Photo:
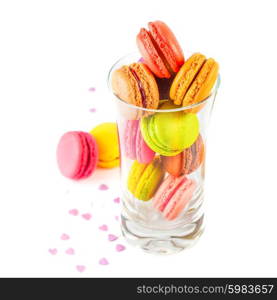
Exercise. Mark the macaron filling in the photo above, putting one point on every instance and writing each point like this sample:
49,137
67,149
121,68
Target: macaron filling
140,86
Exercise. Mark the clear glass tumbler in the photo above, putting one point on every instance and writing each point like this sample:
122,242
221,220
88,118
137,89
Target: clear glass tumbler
162,211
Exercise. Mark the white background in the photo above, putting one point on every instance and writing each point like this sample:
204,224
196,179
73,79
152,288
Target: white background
52,52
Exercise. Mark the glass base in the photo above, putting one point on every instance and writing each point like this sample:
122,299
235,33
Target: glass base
163,241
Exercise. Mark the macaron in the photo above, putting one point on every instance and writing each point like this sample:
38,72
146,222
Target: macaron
77,155
106,137
187,161
194,81
144,179
160,49
134,145
173,196
135,84
169,133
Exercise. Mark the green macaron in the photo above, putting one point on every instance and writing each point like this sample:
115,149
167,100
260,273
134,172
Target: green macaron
169,133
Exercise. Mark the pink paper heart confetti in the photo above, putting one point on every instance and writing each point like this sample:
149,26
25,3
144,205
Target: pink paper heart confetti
103,227
81,268
103,187
117,218
53,251
70,251
92,110
103,261
65,237
92,89
112,237
120,247
116,200
73,212
86,216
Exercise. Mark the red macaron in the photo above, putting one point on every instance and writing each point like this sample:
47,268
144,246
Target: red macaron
77,155
160,49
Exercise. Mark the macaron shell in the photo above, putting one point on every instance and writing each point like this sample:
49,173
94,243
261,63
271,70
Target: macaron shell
185,76
150,55
125,86
143,153
151,139
106,137
202,85
149,85
179,200
135,174
149,181
167,43
193,156
69,152
173,164
166,191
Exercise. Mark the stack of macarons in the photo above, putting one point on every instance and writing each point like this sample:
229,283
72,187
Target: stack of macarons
165,145
79,153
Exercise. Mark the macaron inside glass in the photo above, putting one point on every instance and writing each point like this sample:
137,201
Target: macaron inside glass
106,137
169,133
144,179
160,49
134,145
77,155
194,81
173,196
187,161
136,85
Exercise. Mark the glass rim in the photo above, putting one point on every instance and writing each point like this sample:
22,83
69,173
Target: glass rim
213,92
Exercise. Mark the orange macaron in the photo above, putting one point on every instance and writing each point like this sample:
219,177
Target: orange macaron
194,81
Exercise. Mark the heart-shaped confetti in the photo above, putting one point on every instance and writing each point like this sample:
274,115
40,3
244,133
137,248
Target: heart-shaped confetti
103,261
117,218
92,89
92,110
120,247
65,237
103,187
53,251
116,200
112,237
103,227
81,268
73,212
70,251
86,216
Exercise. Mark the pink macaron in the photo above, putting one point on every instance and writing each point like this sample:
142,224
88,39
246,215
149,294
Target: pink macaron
77,155
134,144
173,196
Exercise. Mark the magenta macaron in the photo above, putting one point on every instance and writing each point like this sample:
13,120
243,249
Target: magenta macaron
173,196
77,154
134,144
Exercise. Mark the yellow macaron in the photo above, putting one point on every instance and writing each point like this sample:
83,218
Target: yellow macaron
106,138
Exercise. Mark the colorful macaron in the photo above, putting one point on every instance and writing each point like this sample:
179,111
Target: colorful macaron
136,85
187,161
144,179
160,49
173,196
134,145
194,81
169,133
77,155
106,137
